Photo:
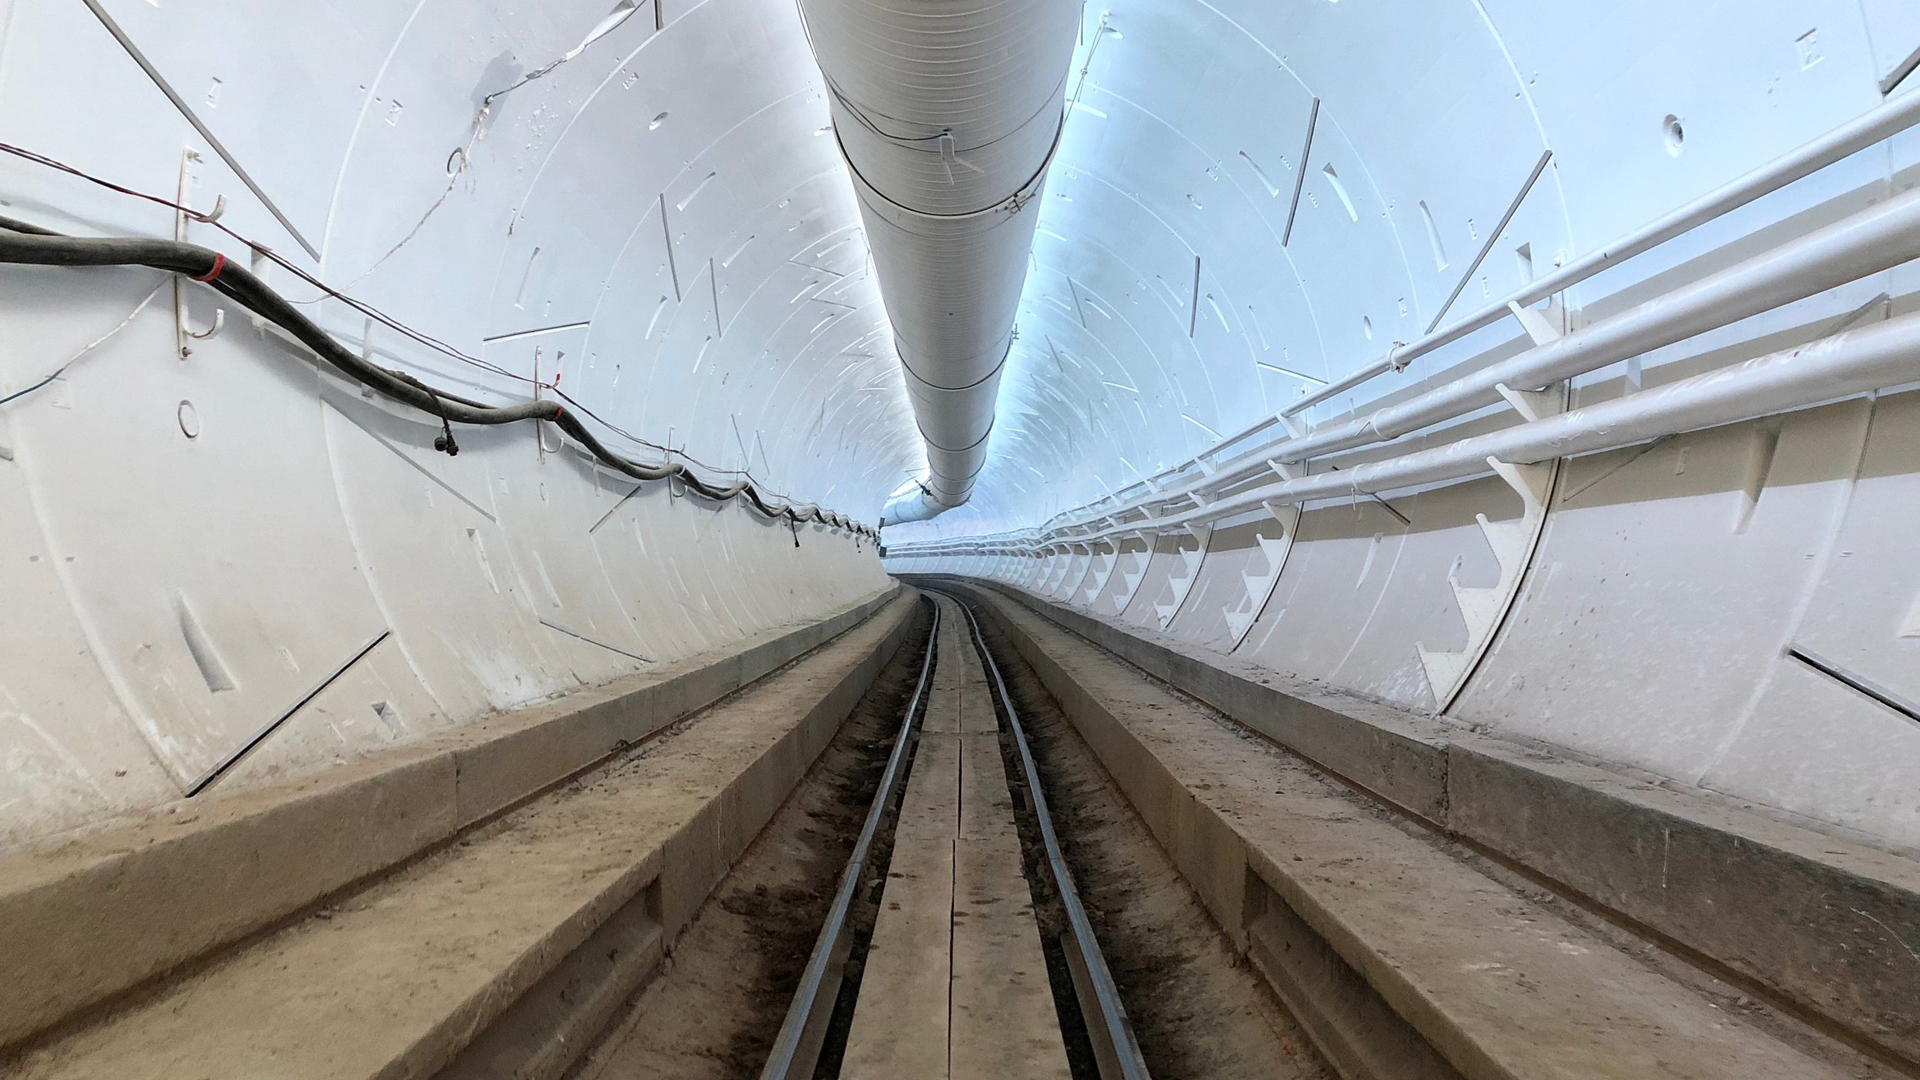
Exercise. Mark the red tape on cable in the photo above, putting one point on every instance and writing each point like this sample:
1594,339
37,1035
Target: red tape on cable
219,264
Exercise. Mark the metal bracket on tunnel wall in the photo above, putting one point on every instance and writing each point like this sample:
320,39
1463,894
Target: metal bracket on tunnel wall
1513,544
1042,568
1103,566
1130,579
1185,573
1240,617
1036,567
1058,559
184,334
1077,562
1030,564
1014,566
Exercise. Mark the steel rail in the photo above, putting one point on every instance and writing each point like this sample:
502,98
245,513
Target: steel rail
797,1048
1114,1045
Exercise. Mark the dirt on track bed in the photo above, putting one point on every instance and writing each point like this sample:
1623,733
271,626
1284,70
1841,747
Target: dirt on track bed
715,1008
1197,1009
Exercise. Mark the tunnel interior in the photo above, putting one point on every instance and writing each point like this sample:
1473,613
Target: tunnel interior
1440,390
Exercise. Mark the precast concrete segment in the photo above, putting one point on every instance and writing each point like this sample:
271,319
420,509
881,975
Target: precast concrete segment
955,982
1824,921
114,909
1492,982
416,966
948,114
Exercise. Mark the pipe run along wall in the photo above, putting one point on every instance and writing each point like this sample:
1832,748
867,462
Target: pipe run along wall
948,114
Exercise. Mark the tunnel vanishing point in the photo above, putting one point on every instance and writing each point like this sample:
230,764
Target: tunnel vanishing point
960,540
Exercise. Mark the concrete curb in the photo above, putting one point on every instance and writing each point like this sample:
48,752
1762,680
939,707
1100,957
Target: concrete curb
555,1010
111,910
1829,925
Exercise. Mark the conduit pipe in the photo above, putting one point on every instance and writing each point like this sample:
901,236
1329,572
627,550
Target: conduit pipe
1874,126
1844,141
1876,239
1871,358
948,113
1858,361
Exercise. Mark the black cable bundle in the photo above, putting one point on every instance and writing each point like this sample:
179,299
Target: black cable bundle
26,244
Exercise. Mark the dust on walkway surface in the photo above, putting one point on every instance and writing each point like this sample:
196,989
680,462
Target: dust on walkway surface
1197,1008
715,1008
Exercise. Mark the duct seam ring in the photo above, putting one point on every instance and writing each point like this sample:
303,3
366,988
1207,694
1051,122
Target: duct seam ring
931,385
1030,188
954,449
860,113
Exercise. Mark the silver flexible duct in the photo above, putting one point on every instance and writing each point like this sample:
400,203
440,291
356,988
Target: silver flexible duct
947,112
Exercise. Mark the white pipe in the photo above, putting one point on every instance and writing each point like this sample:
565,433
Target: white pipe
1874,126
948,113
1782,273
916,505
1844,141
1874,240
1870,358
1858,361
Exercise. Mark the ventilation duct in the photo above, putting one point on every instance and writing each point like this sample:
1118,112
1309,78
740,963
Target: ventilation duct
947,112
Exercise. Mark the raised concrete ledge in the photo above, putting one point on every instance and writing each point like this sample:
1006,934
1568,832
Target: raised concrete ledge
495,954
1402,957
1830,926
1834,927
107,911
1399,757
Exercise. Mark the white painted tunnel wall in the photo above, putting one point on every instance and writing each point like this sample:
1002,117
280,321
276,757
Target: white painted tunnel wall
302,519
1651,626
665,211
